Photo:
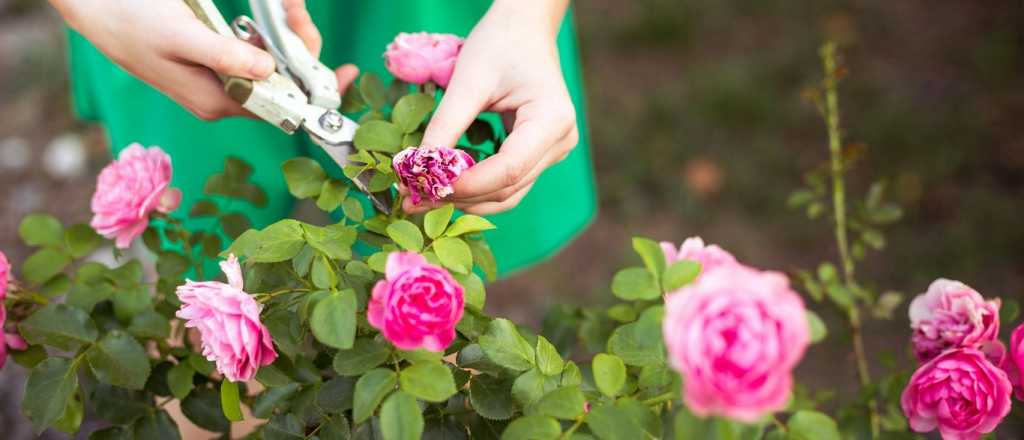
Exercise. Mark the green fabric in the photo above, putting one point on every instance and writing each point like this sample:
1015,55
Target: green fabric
561,204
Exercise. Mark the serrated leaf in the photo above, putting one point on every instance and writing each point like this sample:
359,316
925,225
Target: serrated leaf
371,389
41,230
50,385
430,381
44,264
548,360
410,110
491,397
817,326
334,320
179,380
365,354
372,90
812,425
468,224
118,359
454,254
650,252
406,235
635,284
506,347
60,326
82,240
304,176
609,374
532,428
563,403
679,274
380,136
401,418
436,220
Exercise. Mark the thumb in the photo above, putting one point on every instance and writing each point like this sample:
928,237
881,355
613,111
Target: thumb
459,106
224,55
302,24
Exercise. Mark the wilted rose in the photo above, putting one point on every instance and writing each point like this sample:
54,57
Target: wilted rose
129,189
228,320
735,336
951,315
959,392
420,57
430,172
417,305
693,248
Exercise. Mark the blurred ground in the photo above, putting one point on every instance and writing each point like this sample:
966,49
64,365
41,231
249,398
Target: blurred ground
698,128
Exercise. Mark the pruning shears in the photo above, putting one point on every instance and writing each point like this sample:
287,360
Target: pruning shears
302,93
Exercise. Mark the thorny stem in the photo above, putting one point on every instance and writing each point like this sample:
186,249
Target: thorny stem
831,110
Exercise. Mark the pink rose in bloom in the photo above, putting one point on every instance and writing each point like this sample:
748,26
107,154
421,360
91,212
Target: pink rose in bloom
959,392
129,189
228,320
1015,363
430,172
709,256
5,273
951,315
735,336
9,340
420,57
417,304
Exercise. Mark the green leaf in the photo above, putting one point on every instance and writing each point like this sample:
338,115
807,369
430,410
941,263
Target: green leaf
454,254
410,111
284,427
200,364
203,408
610,422
371,389
334,320
812,425
334,241
278,242
380,136
609,374
131,301
353,209
436,220
484,258
41,230
72,418
491,397
406,234
372,90
336,394
272,398
60,326
118,359
229,401
532,428
679,274
430,381
44,264
50,385
474,291
818,329
365,354
156,426
563,403
468,224
304,176
322,274
29,357
204,208
1009,310
548,360
179,380
650,251
504,346
635,284
638,343
530,386
82,240
332,194
401,418
352,102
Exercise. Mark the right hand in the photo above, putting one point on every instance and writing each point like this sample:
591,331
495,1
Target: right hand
163,43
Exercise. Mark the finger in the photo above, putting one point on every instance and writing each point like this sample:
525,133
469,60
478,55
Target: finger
198,90
346,74
225,55
302,24
525,147
459,106
488,208
423,206
549,159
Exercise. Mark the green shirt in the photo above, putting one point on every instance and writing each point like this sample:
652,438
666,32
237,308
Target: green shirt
560,205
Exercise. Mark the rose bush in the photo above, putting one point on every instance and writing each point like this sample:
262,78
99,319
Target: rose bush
323,338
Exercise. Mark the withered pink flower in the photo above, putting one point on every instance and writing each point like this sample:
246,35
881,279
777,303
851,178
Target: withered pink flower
129,189
951,315
430,172
228,321
959,392
417,305
420,57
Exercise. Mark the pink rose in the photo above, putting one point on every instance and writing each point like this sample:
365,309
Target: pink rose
709,256
5,273
129,189
735,336
228,320
1015,363
420,57
960,392
417,305
431,172
951,315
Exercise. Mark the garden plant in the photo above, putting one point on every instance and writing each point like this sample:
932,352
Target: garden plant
374,326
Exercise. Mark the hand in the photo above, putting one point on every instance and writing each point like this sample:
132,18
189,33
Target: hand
508,64
163,43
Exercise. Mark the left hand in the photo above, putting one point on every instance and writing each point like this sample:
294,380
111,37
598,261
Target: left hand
508,64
